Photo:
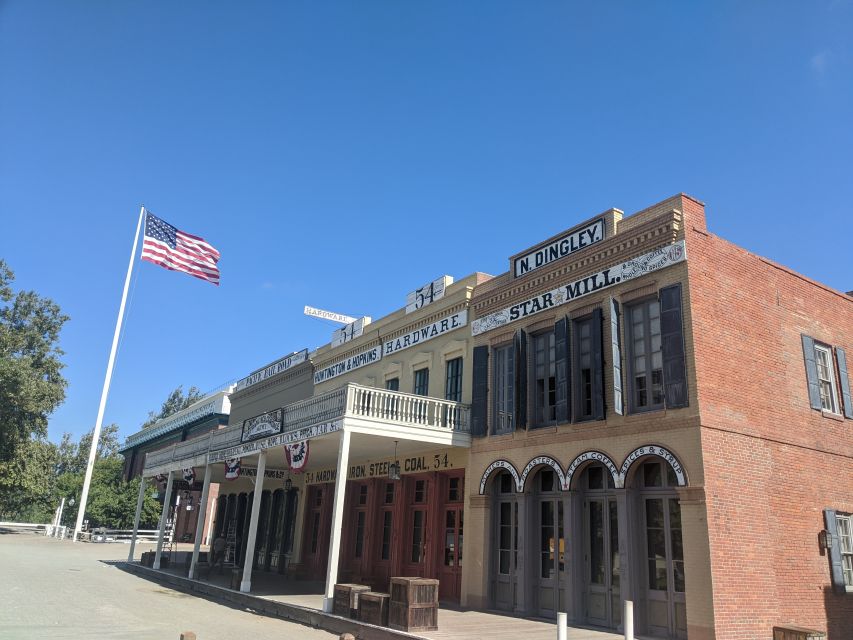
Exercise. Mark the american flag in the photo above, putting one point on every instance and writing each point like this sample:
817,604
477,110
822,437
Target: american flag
178,251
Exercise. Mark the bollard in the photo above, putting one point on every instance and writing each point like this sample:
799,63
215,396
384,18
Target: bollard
562,626
628,620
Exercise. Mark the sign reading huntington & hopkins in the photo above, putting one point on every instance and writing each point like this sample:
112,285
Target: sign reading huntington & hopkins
295,358
566,244
348,364
641,265
266,424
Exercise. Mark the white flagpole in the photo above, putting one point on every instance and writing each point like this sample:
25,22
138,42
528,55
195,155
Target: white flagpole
96,434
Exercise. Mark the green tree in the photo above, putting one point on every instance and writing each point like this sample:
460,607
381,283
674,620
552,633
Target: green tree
73,456
28,482
176,401
31,385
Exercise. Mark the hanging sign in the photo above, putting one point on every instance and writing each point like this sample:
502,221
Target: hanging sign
349,332
266,424
285,363
328,315
437,328
297,455
314,431
348,364
232,468
563,246
646,263
189,475
427,294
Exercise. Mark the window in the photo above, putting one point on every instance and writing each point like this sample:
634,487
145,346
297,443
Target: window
504,373
359,534
583,369
453,385
421,382
454,493
544,379
420,491
392,384
387,519
389,493
362,495
845,542
645,357
826,378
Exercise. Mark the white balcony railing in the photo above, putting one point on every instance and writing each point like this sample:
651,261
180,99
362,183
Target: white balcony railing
356,401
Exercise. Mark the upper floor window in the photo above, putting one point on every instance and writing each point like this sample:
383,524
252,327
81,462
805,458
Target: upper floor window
392,384
453,383
845,543
826,378
829,388
583,387
544,379
422,382
504,389
645,358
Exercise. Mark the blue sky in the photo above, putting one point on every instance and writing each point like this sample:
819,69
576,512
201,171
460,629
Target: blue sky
339,154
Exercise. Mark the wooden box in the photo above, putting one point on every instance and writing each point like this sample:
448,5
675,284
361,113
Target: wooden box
147,559
373,607
346,599
414,604
793,632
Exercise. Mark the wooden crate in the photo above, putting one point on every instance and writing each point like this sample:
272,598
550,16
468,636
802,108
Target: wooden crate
413,617
793,632
414,590
373,607
346,599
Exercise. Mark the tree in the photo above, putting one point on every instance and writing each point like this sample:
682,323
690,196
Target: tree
73,457
28,482
31,385
176,401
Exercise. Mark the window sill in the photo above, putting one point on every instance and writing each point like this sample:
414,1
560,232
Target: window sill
831,415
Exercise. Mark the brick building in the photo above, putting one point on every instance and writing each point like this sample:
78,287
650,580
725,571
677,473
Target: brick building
664,418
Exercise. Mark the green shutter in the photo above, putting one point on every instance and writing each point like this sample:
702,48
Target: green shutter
520,357
836,568
597,365
672,347
811,372
616,350
844,378
480,391
562,368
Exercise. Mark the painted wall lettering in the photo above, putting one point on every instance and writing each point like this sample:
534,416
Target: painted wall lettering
565,245
437,328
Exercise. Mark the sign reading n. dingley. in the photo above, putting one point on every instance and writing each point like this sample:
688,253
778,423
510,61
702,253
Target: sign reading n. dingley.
437,328
564,245
646,263
353,362
266,424
295,358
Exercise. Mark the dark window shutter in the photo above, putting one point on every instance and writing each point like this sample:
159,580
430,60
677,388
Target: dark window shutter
672,347
520,354
561,357
480,391
617,357
844,378
597,366
836,570
811,372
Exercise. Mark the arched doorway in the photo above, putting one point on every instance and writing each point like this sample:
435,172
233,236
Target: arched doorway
505,538
661,558
601,596
546,545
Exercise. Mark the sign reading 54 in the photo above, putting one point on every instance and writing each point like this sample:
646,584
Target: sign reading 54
427,294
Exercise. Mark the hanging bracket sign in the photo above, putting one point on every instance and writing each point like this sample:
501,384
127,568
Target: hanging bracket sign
266,424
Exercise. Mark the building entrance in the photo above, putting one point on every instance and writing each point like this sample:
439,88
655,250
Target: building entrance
549,546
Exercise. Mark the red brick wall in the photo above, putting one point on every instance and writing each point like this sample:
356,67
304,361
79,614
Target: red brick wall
771,463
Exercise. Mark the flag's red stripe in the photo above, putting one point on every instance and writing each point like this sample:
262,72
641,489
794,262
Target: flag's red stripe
196,274
159,250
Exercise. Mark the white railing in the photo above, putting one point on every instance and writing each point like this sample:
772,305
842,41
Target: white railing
352,400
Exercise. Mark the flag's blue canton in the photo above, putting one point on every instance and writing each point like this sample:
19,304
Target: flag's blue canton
159,230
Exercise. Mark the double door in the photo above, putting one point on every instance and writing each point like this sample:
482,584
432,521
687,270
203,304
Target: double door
601,561
667,611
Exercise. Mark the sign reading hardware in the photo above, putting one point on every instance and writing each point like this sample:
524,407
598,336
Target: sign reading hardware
353,362
328,315
295,358
646,263
353,330
427,294
565,245
437,328
262,426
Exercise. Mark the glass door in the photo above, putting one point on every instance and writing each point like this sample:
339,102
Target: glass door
667,611
601,541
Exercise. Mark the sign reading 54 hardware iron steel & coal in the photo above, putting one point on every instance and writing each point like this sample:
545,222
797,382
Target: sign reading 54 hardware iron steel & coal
266,424
641,265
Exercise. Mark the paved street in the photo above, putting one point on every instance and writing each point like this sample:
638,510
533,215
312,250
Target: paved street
56,589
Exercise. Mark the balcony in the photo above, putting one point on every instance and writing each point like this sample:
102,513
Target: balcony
365,410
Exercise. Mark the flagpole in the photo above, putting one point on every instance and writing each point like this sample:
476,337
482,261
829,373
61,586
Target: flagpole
96,434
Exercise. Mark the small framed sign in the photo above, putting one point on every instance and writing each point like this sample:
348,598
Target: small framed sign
266,424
